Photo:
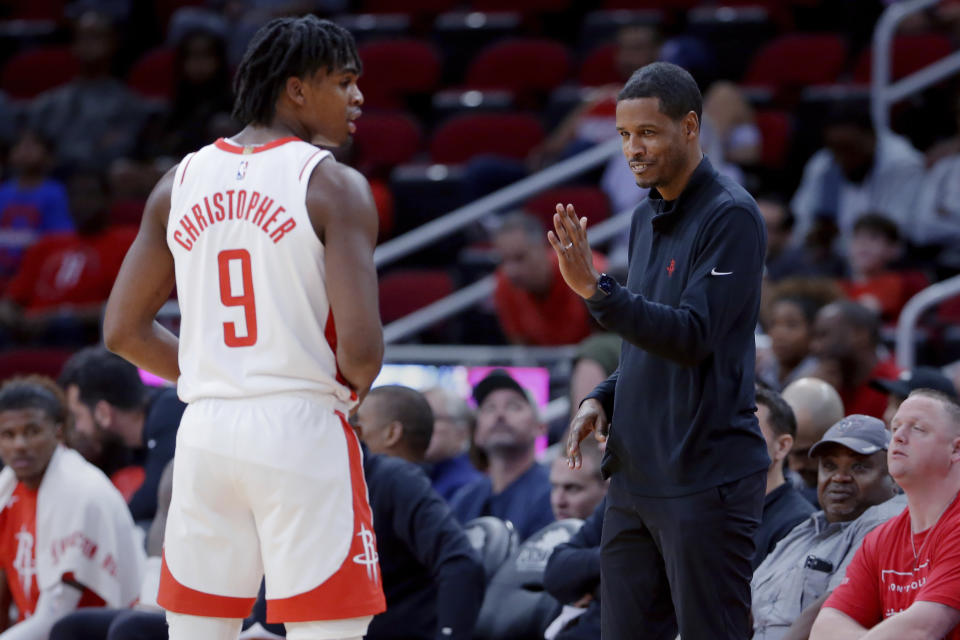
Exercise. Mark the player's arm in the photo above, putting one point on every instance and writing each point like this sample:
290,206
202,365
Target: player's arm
345,217
144,283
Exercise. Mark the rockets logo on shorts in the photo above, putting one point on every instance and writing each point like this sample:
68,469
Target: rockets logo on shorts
242,170
369,557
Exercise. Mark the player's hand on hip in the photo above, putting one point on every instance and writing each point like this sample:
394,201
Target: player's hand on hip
590,418
569,241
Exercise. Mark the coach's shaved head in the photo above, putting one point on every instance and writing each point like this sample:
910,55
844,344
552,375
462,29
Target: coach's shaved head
396,421
817,406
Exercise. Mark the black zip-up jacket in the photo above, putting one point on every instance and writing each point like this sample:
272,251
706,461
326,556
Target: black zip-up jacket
681,402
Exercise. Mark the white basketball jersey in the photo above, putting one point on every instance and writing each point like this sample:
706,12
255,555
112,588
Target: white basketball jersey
255,318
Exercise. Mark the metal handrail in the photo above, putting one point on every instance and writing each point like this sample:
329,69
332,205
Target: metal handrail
883,93
906,356
456,220
481,289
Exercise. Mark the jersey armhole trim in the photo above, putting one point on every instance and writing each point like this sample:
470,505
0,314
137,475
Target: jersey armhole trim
309,160
186,165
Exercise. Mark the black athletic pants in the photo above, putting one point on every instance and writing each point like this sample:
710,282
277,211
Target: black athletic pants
683,563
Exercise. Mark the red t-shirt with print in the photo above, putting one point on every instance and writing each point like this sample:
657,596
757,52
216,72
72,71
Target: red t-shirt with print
884,578
18,552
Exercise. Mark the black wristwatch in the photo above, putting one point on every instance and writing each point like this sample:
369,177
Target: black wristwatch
605,285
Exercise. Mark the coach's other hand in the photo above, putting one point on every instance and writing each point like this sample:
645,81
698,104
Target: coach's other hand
569,240
590,417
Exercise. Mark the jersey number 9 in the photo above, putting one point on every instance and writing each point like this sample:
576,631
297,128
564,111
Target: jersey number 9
245,299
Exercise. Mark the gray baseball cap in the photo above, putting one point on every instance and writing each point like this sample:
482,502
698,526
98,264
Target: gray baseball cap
859,433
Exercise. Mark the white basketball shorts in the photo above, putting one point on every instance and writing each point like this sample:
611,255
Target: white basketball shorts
272,486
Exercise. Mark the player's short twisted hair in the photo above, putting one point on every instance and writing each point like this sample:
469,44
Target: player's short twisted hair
285,48
673,85
34,392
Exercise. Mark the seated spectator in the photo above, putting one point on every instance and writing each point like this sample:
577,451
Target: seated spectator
597,357
846,340
855,491
110,404
531,295
32,204
66,537
516,487
575,493
787,258
57,294
902,583
817,407
874,247
572,577
432,578
857,171
448,456
201,92
791,307
784,507
909,381
94,118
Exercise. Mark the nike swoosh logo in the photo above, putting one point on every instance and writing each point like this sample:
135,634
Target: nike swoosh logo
714,272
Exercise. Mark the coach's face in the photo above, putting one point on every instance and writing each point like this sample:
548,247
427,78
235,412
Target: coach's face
849,482
654,144
506,421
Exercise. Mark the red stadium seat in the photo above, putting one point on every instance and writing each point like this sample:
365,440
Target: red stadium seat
600,67
520,65
393,69
798,60
588,201
910,53
152,75
33,72
506,134
385,140
775,130
403,292
21,362
128,211
37,10
524,6
408,6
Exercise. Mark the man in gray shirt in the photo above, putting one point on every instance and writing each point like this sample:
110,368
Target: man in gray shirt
856,494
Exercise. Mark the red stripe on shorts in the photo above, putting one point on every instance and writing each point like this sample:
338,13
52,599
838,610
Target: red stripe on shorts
356,588
179,598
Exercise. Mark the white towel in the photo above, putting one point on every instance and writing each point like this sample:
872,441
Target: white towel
84,528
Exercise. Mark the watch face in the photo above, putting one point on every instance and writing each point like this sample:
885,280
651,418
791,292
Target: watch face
605,283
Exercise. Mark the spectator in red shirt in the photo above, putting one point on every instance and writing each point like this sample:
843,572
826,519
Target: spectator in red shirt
846,337
876,245
534,305
64,279
904,581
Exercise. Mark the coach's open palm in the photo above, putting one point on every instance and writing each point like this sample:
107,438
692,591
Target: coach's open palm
590,418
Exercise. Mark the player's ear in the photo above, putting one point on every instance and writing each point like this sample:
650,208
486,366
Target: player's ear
394,433
103,413
294,90
690,124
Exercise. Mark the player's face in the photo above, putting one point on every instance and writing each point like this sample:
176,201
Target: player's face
506,420
924,444
849,483
28,438
332,106
574,493
653,142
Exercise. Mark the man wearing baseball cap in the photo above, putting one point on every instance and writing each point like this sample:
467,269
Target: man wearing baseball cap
855,491
916,378
515,487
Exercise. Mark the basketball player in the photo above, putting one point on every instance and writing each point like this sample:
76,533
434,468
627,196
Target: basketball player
270,242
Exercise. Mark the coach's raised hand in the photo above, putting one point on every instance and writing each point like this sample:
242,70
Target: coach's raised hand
569,240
